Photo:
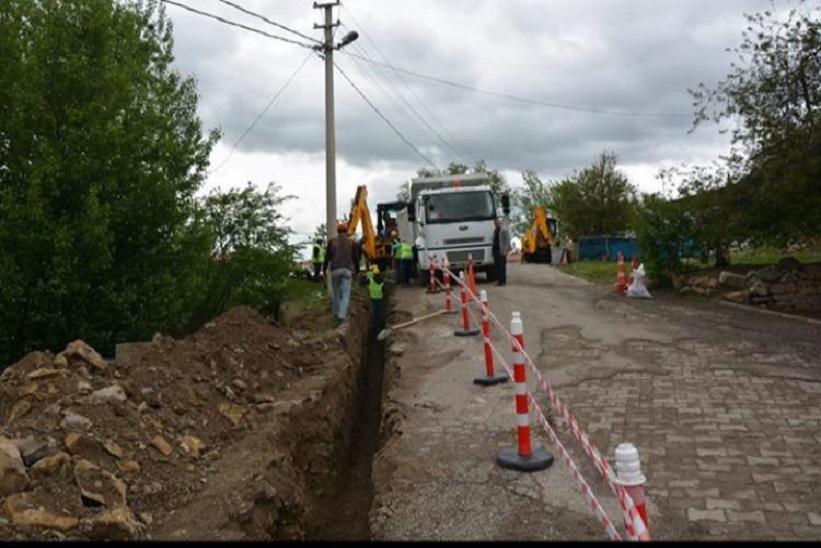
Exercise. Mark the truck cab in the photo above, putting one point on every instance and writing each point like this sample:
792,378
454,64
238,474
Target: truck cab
452,217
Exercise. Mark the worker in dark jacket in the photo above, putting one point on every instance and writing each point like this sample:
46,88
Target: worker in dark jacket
376,285
343,256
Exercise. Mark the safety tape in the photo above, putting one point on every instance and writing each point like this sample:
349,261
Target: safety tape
636,527
595,505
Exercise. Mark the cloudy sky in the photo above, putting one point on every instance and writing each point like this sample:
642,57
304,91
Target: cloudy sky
541,85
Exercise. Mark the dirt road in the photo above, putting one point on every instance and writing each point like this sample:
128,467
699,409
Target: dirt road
722,403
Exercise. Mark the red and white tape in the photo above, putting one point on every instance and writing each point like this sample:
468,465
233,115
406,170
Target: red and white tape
636,529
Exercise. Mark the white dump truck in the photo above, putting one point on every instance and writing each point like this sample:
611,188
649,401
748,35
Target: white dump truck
451,217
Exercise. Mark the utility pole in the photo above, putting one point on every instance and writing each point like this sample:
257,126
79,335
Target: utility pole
327,49
330,131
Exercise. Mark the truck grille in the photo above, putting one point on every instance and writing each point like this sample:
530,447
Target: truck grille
463,241
457,258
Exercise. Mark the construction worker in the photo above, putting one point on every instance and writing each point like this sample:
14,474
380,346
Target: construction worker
500,248
343,256
317,258
375,283
402,259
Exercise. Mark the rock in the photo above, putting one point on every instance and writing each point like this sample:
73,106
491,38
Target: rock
790,264
732,279
43,373
239,384
113,524
114,392
232,412
142,408
19,410
84,387
97,486
24,511
28,390
78,353
159,443
32,449
192,446
128,466
264,398
742,297
769,274
50,465
60,361
13,476
758,289
74,422
113,449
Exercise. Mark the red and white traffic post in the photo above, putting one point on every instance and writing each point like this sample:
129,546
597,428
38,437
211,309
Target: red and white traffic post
491,377
525,457
467,330
432,288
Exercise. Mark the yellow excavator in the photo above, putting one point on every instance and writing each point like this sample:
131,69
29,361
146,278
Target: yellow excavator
538,241
377,249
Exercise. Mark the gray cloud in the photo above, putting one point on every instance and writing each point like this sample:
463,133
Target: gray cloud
636,56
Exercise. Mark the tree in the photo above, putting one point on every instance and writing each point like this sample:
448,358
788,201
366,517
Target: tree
251,252
597,201
101,154
533,193
772,96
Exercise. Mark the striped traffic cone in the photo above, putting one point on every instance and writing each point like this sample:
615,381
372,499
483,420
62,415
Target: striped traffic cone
621,280
524,457
491,377
449,309
467,330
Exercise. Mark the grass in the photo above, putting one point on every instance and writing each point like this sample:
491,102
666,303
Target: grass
598,272
303,296
604,272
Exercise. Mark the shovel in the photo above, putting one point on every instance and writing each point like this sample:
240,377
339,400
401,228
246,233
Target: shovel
388,331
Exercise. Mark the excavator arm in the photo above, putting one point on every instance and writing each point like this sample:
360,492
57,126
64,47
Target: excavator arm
360,214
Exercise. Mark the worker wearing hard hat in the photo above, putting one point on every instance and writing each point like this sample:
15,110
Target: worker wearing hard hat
343,257
375,283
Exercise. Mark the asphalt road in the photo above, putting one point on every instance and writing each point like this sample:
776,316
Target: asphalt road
722,404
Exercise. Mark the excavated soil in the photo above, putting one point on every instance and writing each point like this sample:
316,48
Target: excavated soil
240,431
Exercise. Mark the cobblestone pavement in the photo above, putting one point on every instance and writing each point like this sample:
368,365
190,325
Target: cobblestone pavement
725,438
723,405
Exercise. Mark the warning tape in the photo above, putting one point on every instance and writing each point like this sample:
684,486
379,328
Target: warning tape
595,505
636,528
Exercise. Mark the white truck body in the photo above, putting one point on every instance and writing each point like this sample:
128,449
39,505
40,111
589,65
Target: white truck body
454,220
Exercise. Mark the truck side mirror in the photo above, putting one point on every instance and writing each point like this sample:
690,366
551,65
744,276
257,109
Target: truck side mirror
506,204
411,212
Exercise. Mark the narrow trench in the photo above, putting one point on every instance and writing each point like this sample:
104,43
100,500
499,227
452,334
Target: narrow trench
344,517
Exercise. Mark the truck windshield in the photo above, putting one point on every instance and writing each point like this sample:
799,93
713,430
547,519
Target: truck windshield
459,206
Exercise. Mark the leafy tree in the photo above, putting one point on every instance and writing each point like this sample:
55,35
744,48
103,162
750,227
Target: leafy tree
664,233
599,200
772,97
251,255
101,154
534,192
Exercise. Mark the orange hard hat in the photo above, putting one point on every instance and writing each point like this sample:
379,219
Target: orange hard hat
342,227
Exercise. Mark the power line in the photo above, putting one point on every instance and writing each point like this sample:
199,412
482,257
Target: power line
283,27
410,89
364,98
261,114
238,25
380,75
521,99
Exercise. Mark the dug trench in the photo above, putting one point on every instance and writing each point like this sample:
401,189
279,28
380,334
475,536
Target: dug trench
246,430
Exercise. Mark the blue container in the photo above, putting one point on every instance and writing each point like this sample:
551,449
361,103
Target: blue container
595,248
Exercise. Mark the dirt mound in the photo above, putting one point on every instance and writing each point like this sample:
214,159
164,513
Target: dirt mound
106,449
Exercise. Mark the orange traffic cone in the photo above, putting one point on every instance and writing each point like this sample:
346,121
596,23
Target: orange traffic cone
621,280
471,279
